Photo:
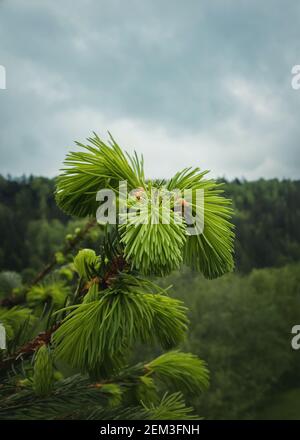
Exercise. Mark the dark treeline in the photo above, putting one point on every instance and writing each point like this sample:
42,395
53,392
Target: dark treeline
267,216
27,212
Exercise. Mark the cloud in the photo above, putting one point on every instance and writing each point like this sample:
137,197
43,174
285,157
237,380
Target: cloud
204,84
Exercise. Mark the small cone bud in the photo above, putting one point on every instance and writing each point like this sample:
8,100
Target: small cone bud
43,372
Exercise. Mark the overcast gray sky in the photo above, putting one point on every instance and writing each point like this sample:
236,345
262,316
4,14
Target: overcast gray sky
186,83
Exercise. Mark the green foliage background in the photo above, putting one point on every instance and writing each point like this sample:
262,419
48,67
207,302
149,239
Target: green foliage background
240,323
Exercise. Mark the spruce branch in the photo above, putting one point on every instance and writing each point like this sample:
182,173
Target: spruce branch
73,397
114,305
70,246
114,268
102,331
177,369
13,299
28,349
149,247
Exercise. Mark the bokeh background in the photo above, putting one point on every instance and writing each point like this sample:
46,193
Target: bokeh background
189,83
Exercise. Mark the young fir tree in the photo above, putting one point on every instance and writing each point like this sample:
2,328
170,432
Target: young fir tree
78,359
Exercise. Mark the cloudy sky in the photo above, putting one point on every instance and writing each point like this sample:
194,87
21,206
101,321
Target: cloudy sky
187,83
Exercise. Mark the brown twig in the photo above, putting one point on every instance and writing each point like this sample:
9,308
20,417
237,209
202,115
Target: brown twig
13,300
29,348
68,248
118,265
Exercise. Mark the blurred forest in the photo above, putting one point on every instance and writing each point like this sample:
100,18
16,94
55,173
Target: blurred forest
240,324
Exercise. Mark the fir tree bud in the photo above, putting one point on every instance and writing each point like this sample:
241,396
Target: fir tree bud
59,257
86,263
43,371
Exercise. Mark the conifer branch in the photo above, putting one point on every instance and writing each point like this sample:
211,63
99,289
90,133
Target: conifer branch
13,300
71,245
114,305
29,348
118,265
